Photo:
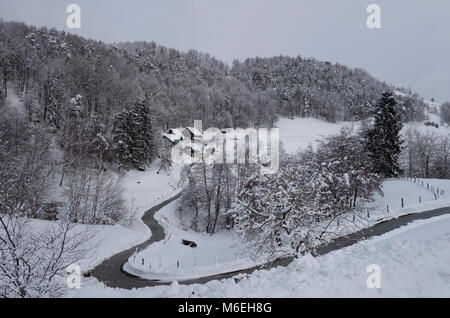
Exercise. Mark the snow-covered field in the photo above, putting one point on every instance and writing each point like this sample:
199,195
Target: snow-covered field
413,262
299,133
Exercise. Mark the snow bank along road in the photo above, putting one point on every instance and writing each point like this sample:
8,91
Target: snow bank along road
110,272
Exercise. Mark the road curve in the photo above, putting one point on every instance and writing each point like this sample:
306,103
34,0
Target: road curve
110,272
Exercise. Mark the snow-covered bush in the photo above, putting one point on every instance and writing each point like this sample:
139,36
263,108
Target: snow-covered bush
32,259
278,214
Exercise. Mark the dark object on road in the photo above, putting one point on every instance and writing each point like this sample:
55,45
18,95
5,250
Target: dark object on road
431,123
189,243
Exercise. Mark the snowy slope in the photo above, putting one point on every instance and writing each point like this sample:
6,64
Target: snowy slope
433,114
299,133
142,191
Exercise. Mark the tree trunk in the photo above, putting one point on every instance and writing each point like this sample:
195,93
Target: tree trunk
5,88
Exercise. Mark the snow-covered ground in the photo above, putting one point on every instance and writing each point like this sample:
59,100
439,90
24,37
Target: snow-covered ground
442,131
102,241
142,191
433,114
14,100
220,253
214,254
145,189
416,198
299,133
413,262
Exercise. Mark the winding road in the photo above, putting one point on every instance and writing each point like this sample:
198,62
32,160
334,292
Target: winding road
111,273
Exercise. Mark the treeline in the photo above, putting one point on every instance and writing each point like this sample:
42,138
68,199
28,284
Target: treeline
426,154
49,68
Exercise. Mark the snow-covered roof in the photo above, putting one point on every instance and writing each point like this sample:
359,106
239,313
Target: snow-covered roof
171,137
176,134
194,131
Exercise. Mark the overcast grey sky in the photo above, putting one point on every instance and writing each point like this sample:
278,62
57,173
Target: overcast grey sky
411,49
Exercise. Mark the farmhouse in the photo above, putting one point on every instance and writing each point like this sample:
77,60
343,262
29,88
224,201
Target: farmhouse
174,135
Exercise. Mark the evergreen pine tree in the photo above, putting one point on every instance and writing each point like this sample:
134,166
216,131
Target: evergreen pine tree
384,142
134,145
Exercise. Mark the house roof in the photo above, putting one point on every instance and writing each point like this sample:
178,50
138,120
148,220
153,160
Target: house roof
194,131
176,134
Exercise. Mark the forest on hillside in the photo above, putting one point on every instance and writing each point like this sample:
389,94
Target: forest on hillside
90,108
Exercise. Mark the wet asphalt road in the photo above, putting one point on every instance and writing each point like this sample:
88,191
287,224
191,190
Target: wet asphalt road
111,274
